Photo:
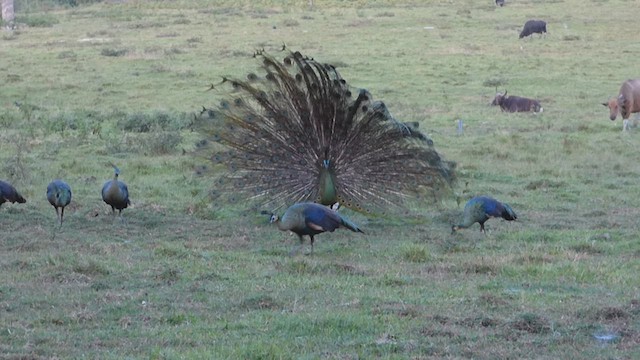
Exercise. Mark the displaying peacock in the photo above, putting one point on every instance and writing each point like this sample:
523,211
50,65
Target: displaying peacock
479,209
59,196
311,219
115,193
9,194
300,133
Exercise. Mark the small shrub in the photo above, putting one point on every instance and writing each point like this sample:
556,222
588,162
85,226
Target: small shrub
10,35
33,20
156,121
259,302
91,268
67,55
168,275
291,23
176,319
173,51
531,323
417,254
113,52
494,82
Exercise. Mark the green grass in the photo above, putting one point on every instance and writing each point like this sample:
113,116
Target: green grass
187,278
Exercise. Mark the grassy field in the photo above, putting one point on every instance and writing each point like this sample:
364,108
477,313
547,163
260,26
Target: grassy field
187,278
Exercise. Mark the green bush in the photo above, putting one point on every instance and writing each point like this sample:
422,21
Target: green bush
158,120
113,52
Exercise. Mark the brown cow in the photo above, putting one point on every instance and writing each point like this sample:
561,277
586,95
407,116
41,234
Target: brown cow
627,102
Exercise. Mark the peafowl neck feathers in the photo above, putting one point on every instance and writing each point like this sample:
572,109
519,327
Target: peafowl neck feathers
61,197
299,133
327,188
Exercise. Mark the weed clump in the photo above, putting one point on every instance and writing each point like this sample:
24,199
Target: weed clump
113,52
155,121
416,254
531,323
33,20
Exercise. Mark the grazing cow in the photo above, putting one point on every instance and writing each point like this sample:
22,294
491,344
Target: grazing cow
533,26
500,2
627,102
516,103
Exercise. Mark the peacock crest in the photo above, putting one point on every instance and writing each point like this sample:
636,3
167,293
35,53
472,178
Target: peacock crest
298,132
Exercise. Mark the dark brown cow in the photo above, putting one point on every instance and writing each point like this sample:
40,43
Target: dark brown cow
533,26
516,103
627,102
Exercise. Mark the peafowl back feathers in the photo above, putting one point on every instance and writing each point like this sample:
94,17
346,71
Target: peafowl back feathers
299,132
9,194
479,209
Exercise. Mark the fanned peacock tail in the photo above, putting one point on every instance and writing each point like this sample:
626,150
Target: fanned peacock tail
301,133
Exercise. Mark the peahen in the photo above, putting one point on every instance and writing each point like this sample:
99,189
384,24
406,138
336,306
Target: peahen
479,209
115,193
311,219
59,195
300,133
9,194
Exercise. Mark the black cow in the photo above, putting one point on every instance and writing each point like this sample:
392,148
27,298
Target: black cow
533,26
500,2
516,103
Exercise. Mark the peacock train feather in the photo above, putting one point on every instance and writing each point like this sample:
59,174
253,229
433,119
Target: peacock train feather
299,133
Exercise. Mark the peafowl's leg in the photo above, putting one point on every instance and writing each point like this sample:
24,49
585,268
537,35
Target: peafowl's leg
61,215
482,228
297,247
311,237
122,219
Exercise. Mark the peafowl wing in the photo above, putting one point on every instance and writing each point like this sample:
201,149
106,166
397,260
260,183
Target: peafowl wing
321,218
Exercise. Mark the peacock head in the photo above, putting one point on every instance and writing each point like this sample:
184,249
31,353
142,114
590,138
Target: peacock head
326,163
116,170
454,228
272,217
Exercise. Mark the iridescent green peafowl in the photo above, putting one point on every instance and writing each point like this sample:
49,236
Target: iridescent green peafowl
59,196
479,209
311,219
9,194
115,193
301,133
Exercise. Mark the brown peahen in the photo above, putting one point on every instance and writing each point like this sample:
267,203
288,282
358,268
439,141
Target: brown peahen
59,196
300,133
311,219
479,209
115,193
9,194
